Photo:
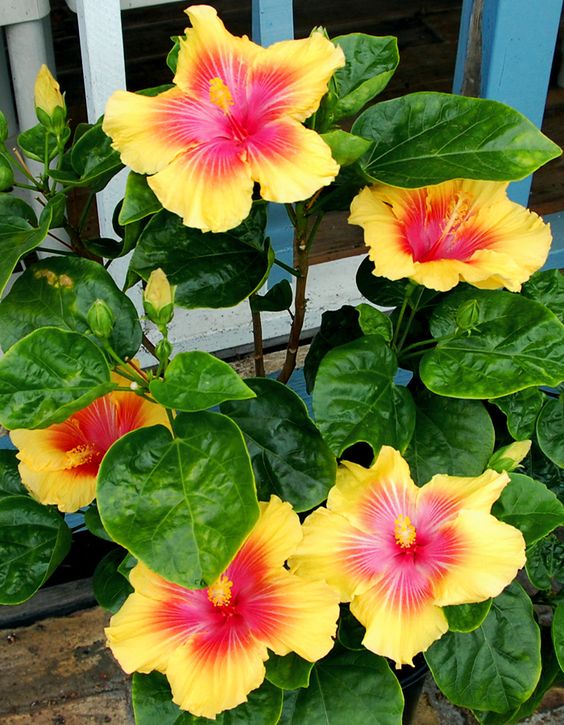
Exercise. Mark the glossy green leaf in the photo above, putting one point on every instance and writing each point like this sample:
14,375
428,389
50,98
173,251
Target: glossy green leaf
181,504
379,290
345,147
529,506
516,343
370,63
288,672
13,206
558,634
93,522
197,380
152,703
426,138
93,158
210,270
451,436
34,540
545,563
495,667
374,322
350,632
58,292
337,328
4,131
278,298
521,410
10,481
48,375
111,588
172,57
349,687
139,200
467,617
290,458
550,428
547,287
56,207
17,238
6,173
35,141
355,397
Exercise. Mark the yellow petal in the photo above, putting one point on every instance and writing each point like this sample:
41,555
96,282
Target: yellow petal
207,677
275,535
47,92
289,162
491,553
209,187
68,489
446,495
395,631
38,449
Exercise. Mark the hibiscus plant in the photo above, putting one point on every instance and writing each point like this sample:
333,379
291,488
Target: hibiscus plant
274,562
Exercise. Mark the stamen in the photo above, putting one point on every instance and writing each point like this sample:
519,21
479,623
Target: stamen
79,455
219,593
220,95
404,531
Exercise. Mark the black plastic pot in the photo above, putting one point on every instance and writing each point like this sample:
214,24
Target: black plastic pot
412,680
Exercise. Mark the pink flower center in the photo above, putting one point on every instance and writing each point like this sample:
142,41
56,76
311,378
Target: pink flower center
221,96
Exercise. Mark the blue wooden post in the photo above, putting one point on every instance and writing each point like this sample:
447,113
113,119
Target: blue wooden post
273,20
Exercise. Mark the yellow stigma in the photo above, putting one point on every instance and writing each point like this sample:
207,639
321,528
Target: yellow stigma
404,531
219,593
220,95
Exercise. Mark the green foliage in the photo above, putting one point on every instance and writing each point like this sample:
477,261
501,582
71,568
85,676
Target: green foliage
111,588
550,425
426,138
17,238
547,287
288,672
139,200
374,322
10,481
277,298
346,148
467,617
521,409
545,563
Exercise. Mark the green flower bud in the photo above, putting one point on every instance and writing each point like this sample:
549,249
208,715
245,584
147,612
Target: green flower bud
100,319
163,349
50,104
158,298
509,457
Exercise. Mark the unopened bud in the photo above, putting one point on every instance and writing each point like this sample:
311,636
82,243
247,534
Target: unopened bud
163,349
49,101
509,457
158,298
100,319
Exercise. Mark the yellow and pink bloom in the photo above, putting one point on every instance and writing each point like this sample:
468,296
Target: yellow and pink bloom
59,464
234,117
399,553
460,230
212,643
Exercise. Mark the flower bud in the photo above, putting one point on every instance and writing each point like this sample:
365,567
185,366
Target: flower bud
100,319
158,298
49,101
163,350
509,457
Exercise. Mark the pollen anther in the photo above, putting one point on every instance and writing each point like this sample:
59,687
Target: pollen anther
220,95
404,531
219,593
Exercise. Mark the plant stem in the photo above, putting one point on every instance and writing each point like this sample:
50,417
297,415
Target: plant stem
84,213
258,344
412,313
20,161
286,267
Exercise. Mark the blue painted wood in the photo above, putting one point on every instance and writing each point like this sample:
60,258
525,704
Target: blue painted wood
556,257
273,20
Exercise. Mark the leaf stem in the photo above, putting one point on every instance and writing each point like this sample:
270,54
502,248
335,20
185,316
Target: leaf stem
258,342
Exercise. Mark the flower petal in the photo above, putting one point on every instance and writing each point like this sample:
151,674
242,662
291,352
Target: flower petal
208,675
44,449
210,187
291,77
68,489
490,553
289,161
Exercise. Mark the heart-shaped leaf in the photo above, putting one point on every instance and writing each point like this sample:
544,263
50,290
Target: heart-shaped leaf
139,200
550,425
17,238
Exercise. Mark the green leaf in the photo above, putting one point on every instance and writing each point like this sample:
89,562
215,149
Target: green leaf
210,270
58,292
545,563
529,506
350,632
10,481
56,208
370,63
289,456
288,672
13,206
337,327
181,504
355,398
278,298
426,138
196,381
374,322
6,173
17,238
152,703
36,141
93,522
93,159
550,425
139,200
451,436
172,57
516,343
547,287
521,410
48,375
111,588
345,147
4,131
495,667
558,634
34,540
379,290
467,617
349,687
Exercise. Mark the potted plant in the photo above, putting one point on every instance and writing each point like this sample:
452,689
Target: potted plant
273,563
